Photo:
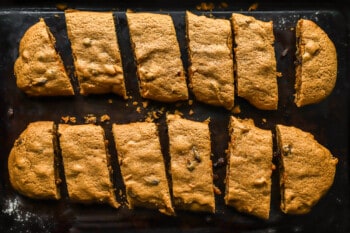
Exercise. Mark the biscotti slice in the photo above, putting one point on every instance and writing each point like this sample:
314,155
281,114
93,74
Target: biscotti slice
307,169
211,59
86,164
96,53
39,69
249,168
31,161
256,75
316,66
157,54
142,166
191,166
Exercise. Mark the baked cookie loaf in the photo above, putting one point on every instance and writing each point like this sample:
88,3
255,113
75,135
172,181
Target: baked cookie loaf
211,59
39,70
86,164
249,168
316,66
142,166
96,54
307,169
256,75
157,54
31,163
191,166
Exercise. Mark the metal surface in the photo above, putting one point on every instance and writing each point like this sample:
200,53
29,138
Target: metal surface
328,121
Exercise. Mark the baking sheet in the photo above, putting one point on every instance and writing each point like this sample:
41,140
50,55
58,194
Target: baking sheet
328,121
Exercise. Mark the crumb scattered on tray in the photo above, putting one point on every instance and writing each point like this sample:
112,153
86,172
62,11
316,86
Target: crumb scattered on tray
253,7
72,119
67,119
138,109
191,112
205,6
190,102
90,119
110,101
236,109
61,6
223,5
104,118
217,191
145,104
135,103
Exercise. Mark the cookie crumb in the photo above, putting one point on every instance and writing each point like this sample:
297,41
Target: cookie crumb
253,7
104,118
90,119
236,109
205,6
65,119
217,191
223,5
145,104
72,119
61,6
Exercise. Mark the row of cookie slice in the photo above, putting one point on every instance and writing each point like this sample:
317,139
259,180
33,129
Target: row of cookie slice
98,66
307,169
87,166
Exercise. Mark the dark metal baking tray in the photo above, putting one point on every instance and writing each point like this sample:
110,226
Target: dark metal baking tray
328,121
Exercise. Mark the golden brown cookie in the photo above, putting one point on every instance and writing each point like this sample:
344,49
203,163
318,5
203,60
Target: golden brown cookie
31,161
307,169
256,75
39,70
96,53
86,164
157,54
191,165
142,166
211,60
316,66
249,168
